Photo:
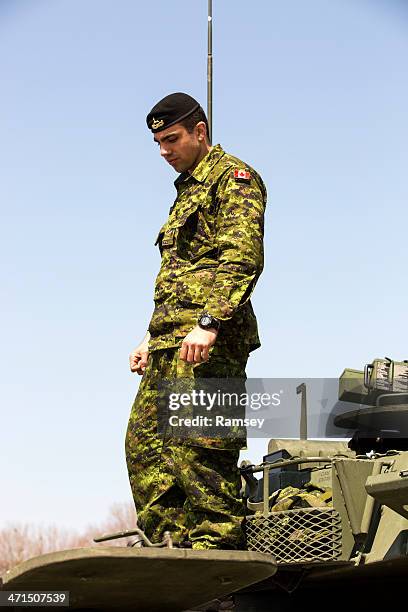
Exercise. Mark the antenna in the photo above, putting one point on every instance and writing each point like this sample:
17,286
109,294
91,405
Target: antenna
209,71
303,411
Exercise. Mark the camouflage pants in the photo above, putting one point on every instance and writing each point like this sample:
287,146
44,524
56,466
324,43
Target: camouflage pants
191,490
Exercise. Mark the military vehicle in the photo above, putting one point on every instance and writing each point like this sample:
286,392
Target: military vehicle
335,515
323,516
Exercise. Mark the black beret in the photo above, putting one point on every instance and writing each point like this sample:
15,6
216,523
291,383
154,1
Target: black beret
172,109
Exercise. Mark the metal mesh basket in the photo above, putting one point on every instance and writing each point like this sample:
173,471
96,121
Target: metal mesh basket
305,535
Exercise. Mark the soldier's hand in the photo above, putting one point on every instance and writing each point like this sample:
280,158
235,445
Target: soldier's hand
138,358
196,345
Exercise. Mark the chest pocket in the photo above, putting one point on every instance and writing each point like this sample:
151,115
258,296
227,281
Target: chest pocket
190,235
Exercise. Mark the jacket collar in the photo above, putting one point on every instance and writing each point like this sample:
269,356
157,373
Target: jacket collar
203,169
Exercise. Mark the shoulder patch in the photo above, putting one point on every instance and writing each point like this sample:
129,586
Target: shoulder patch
242,175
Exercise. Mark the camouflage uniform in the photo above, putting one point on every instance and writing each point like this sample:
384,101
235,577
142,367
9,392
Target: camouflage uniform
212,256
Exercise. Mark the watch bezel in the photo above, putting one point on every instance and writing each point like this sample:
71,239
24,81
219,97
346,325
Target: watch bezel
213,322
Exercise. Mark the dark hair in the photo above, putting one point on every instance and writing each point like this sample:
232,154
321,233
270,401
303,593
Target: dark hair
191,121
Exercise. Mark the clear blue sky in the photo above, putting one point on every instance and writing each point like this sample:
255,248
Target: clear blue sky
312,94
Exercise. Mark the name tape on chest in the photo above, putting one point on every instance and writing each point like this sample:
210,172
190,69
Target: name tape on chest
242,175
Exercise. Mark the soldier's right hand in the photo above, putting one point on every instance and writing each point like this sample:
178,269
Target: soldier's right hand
138,358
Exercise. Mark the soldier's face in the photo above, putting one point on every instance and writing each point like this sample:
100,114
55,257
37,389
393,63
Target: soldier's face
180,148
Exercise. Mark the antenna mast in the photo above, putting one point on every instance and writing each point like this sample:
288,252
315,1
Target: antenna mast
209,71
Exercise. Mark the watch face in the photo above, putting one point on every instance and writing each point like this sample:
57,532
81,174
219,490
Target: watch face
205,320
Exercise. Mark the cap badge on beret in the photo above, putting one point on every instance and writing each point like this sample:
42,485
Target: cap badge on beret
156,123
172,109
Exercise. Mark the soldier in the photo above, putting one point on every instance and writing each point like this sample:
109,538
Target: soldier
203,325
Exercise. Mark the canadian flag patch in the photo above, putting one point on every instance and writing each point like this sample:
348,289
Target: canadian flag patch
242,175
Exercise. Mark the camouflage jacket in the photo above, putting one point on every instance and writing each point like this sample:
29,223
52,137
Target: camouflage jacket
212,253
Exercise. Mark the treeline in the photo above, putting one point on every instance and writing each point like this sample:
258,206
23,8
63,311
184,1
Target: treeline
19,542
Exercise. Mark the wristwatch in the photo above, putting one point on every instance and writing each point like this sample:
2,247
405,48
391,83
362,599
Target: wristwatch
206,321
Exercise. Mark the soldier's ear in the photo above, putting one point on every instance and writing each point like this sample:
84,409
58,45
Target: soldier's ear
201,131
